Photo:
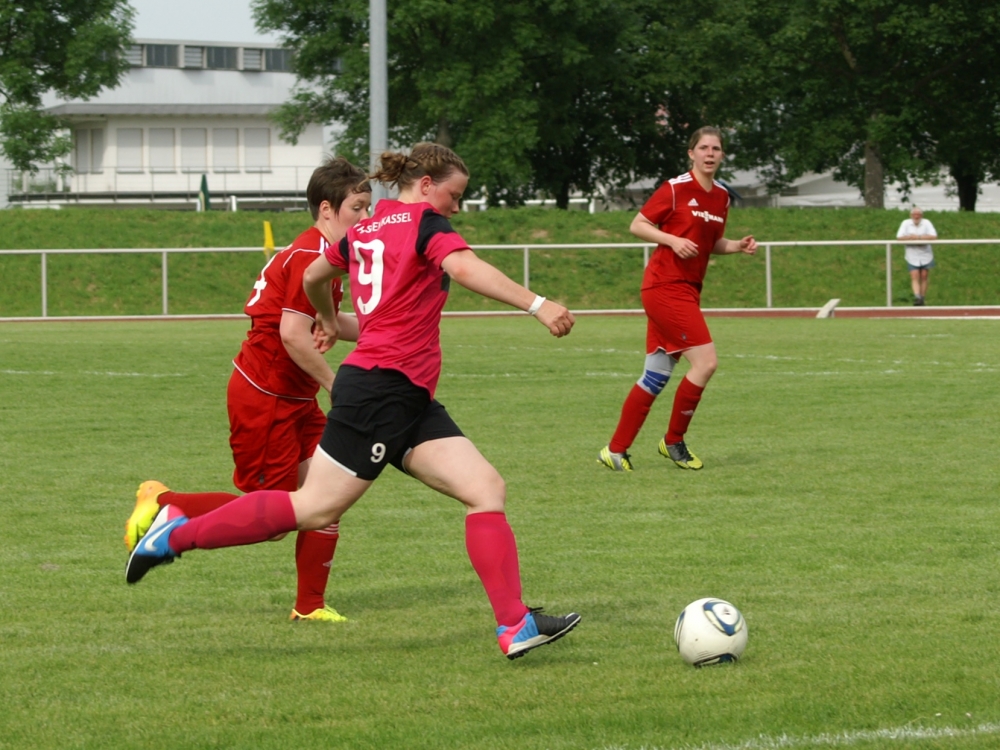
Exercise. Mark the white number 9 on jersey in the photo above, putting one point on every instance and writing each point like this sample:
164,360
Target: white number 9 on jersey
370,252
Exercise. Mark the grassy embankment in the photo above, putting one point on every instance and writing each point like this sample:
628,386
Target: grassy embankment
601,278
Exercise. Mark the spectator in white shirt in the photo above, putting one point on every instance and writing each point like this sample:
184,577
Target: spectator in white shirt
919,257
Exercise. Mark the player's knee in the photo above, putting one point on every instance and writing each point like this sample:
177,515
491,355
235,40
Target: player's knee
659,367
489,493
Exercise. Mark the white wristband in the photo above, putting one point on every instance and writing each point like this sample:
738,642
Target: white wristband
539,299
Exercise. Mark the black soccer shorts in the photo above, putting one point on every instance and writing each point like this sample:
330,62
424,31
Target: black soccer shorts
377,417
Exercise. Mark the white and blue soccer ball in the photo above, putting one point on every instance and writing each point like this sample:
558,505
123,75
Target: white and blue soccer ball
710,631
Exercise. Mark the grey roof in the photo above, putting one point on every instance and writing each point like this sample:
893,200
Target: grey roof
122,110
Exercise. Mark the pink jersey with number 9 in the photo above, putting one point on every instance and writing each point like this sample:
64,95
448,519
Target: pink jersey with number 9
398,287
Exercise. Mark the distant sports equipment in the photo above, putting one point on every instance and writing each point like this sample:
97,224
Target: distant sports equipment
710,631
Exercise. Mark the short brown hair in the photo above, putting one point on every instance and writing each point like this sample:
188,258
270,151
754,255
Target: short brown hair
425,159
334,181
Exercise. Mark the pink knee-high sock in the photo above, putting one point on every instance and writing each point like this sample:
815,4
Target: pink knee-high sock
492,550
252,518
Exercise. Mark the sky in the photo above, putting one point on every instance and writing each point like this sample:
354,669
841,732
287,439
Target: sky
201,20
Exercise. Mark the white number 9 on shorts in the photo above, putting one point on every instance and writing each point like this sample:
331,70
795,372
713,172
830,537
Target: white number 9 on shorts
378,453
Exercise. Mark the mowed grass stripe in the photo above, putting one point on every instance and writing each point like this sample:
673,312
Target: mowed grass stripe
852,519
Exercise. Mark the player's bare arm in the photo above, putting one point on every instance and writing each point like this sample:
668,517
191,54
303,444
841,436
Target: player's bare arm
746,245
476,275
646,230
297,337
316,283
347,325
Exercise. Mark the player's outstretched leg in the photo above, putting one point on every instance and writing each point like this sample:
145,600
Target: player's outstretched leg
534,630
154,548
144,512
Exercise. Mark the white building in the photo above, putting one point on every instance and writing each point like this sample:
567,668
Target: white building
183,111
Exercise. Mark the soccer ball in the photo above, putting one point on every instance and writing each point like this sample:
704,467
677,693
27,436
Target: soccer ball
710,631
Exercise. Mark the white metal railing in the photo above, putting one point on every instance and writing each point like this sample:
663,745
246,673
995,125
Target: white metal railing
170,187
524,249
858,243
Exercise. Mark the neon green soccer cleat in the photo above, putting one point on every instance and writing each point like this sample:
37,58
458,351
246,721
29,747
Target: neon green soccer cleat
615,461
144,512
326,614
680,455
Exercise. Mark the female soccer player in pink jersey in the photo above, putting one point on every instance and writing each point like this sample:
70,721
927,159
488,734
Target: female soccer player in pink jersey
400,263
275,421
686,218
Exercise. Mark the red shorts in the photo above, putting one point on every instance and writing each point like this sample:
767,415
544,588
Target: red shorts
673,318
270,436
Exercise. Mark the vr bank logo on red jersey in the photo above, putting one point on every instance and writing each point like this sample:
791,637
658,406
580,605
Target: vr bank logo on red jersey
708,217
400,218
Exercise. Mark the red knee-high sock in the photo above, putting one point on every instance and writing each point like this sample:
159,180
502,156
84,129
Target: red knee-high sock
634,412
492,549
252,518
685,402
194,504
313,559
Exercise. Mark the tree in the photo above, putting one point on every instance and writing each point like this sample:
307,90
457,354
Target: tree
850,84
546,96
71,47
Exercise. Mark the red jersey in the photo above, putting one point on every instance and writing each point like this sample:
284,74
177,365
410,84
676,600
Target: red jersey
398,287
683,208
263,359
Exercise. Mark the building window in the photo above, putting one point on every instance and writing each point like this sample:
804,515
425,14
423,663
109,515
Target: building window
278,59
129,149
253,59
161,55
194,57
257,149
133,55
220,58
161,150
225,154
88,152
194,143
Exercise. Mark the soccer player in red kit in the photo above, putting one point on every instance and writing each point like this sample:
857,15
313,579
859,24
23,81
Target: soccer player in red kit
686,218
400,264
274,419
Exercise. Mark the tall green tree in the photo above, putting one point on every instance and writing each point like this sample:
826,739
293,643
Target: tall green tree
852,84
537,95
71,47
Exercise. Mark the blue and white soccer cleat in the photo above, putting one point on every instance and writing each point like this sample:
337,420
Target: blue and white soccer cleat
534,630
154,548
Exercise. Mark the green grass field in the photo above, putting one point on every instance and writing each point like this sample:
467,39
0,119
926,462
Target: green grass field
583,279
848,507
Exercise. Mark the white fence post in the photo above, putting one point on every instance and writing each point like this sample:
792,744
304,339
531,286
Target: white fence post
767,273
527,274
888,274
45,287
164,281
